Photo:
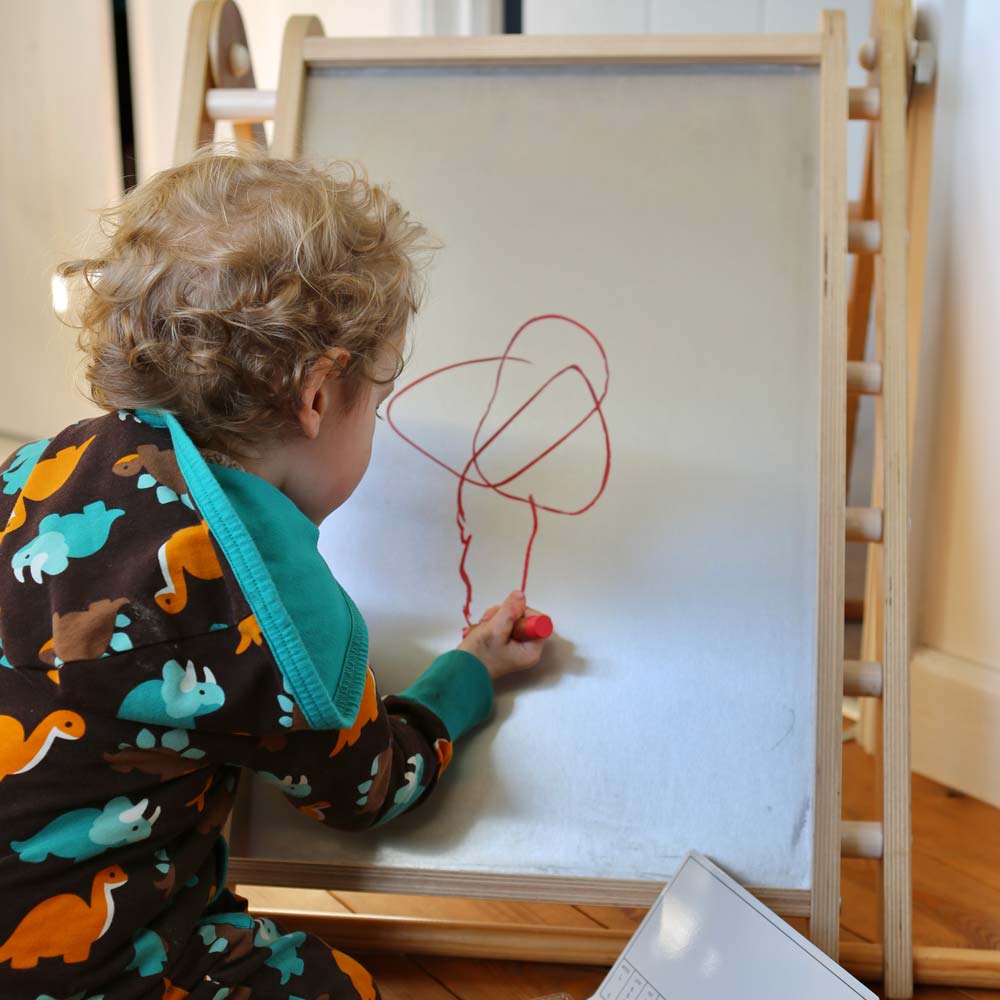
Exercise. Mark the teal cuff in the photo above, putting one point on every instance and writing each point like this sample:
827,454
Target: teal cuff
457,688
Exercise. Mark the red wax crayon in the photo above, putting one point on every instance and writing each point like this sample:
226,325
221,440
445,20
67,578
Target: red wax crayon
532,627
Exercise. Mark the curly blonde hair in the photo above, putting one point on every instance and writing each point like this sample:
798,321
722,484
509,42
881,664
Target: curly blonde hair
225,280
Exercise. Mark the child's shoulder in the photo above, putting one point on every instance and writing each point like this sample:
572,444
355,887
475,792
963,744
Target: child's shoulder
54,459
99,529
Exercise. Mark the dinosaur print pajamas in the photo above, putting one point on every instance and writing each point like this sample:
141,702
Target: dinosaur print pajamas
164,624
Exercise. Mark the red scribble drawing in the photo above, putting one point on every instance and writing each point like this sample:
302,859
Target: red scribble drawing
506,486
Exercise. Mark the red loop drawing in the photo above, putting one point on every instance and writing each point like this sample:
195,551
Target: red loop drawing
472,474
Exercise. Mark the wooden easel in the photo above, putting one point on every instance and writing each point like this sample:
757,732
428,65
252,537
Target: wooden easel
218,85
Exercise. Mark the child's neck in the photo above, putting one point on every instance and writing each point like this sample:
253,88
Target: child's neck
282,466
269,466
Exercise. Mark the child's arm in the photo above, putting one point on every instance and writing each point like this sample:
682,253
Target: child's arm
398,747
392,755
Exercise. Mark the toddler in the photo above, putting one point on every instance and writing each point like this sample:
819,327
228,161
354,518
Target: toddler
165,617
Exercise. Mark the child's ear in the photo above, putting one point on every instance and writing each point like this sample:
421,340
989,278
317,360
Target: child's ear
317,394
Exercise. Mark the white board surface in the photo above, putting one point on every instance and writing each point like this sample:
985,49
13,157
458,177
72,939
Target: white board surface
707,938
674,213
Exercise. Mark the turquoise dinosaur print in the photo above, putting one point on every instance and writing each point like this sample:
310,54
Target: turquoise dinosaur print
284,956
286,705
120,641
218,942
408,793
16,474
173,739
62,537
76,996
85,833
164,494
296,789
176,700
4,662
366,786
150,955
242,920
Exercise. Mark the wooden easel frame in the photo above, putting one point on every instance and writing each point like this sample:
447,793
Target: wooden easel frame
304,46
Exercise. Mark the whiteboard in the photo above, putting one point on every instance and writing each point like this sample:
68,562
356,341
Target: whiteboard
672,212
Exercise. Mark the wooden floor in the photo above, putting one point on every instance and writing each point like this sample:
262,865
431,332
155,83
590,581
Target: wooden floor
956,873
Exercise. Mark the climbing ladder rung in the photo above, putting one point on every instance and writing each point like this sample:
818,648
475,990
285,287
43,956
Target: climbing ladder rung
860,839
864,377
240,105
864,236
864,524
864,103
862,678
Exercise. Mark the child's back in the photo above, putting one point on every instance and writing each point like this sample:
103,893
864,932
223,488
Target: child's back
166,620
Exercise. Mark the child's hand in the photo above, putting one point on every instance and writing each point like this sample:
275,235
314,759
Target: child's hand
491,640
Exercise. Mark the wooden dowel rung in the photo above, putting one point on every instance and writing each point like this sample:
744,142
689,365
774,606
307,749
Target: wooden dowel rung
864,235
864,524
868,54
862,679
860,840
864,377
240,105
864,104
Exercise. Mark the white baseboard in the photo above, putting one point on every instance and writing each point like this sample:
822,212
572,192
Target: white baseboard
955,722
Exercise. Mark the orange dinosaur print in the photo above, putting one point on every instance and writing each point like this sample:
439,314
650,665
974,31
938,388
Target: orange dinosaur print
443,750
64,926
199,800
190,551
315,810
47,654
359,976
46,478
367,712
171,992
249,633
19,753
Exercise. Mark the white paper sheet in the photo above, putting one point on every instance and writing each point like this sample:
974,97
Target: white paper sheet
707,938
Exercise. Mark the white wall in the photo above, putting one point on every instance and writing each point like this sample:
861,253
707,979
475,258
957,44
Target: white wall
680,16
956,473
958,456
60,163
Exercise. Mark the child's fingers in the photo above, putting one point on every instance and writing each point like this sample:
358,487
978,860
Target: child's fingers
489,613
512,608
527,653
